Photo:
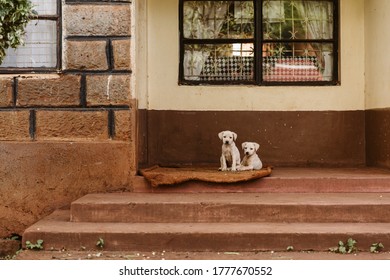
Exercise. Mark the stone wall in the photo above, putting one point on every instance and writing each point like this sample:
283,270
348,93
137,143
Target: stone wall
66,134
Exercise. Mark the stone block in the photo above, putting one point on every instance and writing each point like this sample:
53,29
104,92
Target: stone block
124,125
97,20
108,90
71,125
14,125
85,55
41,91
122,54
40,177
6,98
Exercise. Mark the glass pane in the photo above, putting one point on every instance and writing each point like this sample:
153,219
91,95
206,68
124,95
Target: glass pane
40,49
297,62
222,62
297,19
45,7
218,19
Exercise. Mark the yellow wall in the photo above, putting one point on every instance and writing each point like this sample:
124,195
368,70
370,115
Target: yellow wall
377,54
158,52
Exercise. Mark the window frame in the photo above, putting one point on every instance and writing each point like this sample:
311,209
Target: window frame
58,67
258,42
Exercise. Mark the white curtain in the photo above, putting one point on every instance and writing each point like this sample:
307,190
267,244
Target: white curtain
273,11
193,63
201,20
318,15
204,20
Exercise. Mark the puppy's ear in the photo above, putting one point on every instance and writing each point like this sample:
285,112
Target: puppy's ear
234,136
243,145
257,146
220,135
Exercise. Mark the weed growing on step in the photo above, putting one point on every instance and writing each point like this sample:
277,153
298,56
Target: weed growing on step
347,247
15,237
376,247
36,246
290,248
100,243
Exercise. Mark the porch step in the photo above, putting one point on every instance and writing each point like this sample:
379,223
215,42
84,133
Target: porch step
58,232
232,208
216,222
290,180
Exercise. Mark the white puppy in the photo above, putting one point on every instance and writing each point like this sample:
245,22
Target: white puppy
251,160
230,158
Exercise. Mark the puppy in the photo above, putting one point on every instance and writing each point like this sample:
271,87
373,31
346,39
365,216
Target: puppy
230,158
251,160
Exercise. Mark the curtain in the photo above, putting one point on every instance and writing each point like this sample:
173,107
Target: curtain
318,16
204,20
201,20
273,11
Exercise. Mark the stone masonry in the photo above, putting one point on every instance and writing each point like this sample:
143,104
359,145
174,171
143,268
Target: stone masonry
70,132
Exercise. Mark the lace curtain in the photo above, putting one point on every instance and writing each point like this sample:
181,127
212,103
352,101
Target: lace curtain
201,20
318,15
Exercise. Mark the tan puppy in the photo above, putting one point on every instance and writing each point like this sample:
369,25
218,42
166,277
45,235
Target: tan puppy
230,157
251,160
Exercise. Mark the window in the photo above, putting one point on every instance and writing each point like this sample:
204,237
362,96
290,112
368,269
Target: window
264,42
41,49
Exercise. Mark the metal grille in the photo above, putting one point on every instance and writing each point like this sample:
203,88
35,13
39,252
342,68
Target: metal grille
41,40
290,42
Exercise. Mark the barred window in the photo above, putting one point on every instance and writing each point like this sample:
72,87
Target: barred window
42,42
259,42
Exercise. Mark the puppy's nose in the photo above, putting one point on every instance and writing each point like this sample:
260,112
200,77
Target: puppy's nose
247,153
226,142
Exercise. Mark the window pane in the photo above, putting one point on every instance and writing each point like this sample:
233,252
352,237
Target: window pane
218,19
297,19
40,49
297,62
222,62
45,7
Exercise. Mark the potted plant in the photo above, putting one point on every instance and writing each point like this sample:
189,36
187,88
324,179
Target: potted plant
14,16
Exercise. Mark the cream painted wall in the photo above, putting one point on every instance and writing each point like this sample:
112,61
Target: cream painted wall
158,87
377,20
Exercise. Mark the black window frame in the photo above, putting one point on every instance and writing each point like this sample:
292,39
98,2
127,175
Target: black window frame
58,67
258,42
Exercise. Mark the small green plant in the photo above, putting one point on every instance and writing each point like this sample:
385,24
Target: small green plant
14,237
347,247
36,246
14,16
290,248
100,243
376,247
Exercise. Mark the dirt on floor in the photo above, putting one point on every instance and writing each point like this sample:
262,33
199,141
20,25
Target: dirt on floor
112,255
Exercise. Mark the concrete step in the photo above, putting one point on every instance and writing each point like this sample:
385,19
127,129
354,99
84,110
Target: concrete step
309,209
57,232
232,208
290,180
